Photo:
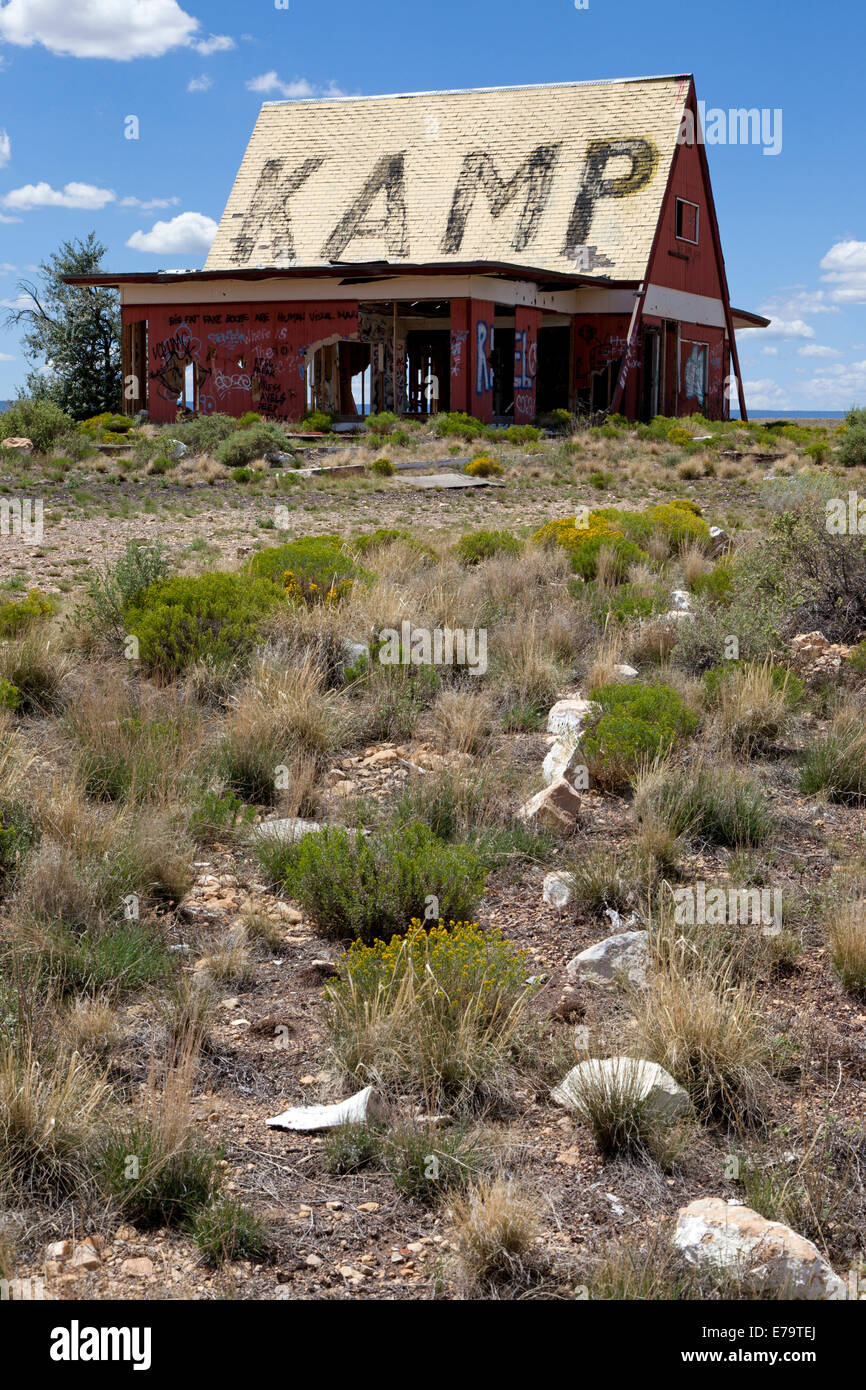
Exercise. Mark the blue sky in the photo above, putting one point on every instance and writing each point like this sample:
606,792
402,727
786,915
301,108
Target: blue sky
194,73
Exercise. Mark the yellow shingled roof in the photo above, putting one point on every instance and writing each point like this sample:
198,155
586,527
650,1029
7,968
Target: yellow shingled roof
565,177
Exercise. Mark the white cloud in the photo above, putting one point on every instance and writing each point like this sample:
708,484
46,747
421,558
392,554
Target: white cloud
845,264
839,386
150,205
9,219
5,357
780,328
199,84
816,350
5,148
296,90
189,231
217,43
118,29
770,352
20,302
795,301
765,394
72,195
6,268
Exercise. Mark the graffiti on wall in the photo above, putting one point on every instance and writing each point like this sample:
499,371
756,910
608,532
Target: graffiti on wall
532,180
483,357
247,358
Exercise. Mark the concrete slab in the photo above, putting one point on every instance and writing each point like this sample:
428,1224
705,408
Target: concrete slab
449,480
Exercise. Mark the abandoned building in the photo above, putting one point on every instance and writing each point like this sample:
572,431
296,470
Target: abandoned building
505,252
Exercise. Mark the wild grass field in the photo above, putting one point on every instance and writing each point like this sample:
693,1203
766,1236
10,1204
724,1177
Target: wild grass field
260,849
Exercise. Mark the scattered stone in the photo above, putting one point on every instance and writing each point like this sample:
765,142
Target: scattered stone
768,1256
624,956
58,1250
360,1109
291,828
682,600
558,890
314,1261
139,1266
354,651
624,674
368,1206
720,541
554,808
565,759
815,655
85,1257
18,444
665,1097
569,716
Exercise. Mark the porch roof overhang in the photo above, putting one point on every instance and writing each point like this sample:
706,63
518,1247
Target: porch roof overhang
357,273
743,318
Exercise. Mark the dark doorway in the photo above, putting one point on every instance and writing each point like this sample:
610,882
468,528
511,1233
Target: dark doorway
554,356
428,370
649,406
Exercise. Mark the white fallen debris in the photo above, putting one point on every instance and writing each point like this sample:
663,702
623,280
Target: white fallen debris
565,759
359,1109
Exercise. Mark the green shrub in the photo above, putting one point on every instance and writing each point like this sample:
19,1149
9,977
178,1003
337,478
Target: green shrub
10,695
836,762
121,956
457,423
18,615
440,1011
482,466
637,723
351,1148
383,468
475,546
227,1230
358,886
243,475
782,680
852,446
253,443
309,567
718,804
249,417
108,594
155,1179
427,1163
182,620
522,434
17,833
201,435
42,422
385,422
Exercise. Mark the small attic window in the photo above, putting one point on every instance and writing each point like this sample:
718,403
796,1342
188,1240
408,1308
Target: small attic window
687,221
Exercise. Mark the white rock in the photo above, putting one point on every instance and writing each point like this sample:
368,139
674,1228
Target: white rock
666,1099
625,955
554,808
354,651
569,716
565,759
291,829
359,1109
557,890
676,615
682,600
624,674
767,1256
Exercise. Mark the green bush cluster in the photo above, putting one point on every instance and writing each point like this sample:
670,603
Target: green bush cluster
254,442
476,546
181,620
358,886
636,723
18,615
42,422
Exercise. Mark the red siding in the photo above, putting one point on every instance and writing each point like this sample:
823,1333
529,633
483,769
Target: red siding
526,325
249,356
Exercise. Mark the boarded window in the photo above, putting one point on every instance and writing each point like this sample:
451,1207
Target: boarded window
687,221
694,366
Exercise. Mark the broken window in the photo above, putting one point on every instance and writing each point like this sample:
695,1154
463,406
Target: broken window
694,367
687,221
